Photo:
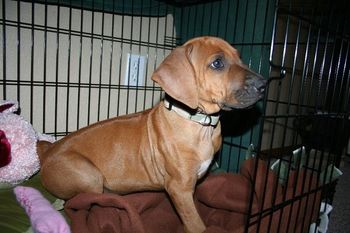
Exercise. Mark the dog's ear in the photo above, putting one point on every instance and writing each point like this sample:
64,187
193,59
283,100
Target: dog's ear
177,77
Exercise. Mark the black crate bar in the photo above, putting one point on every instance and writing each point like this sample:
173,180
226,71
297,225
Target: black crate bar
4,50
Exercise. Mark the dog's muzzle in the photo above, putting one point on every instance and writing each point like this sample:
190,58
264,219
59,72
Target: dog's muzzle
251,92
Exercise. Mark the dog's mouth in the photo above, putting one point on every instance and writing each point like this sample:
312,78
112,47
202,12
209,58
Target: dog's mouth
245,97
248,96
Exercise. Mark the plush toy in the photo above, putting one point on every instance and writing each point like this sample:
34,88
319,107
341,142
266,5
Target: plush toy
43,216
18,162
18,157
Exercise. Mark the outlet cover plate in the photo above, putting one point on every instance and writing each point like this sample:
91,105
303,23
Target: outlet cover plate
135,70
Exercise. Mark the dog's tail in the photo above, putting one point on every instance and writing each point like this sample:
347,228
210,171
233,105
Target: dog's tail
42,147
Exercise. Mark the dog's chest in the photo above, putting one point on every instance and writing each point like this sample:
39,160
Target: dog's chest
209,146
203,167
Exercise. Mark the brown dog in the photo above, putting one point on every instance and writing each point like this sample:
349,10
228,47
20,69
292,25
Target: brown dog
167,147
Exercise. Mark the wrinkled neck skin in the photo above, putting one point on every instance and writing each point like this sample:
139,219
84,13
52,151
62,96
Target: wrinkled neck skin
177,151
205,146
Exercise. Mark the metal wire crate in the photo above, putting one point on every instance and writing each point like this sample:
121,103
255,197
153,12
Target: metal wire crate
65,62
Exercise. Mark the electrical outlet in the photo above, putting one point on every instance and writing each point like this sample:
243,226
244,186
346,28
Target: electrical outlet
135,68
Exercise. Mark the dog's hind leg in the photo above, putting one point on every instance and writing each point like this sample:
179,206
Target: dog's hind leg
70,174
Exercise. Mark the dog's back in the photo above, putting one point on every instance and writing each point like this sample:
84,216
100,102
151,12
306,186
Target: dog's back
105,151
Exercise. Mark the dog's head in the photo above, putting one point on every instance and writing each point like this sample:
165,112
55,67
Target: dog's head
206,73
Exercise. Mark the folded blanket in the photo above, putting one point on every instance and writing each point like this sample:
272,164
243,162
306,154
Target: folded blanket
222,201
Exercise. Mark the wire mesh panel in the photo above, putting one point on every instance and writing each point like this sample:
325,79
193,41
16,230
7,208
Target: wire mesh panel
66,61
306,120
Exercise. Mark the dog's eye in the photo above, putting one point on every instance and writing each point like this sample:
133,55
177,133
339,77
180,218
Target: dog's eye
217,64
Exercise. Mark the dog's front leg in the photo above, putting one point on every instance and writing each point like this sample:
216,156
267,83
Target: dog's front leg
181,193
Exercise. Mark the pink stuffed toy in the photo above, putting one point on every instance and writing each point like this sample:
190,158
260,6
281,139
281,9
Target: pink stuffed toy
18,162
18,157
43,217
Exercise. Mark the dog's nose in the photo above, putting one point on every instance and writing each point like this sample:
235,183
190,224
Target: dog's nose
261,84
257,82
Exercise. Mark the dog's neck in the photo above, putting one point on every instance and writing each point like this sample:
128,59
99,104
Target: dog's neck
190,114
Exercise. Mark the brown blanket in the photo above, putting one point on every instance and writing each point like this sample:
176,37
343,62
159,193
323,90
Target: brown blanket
222,201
